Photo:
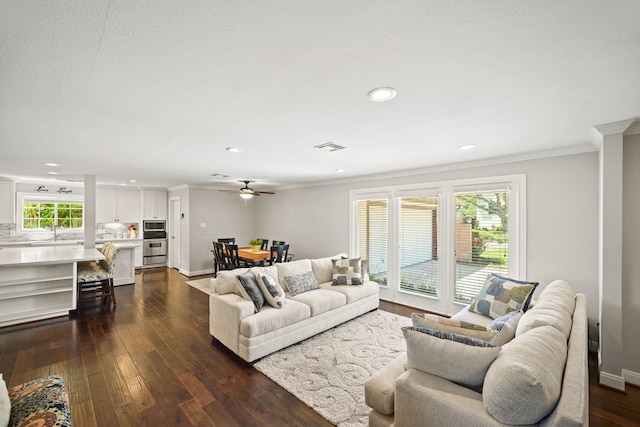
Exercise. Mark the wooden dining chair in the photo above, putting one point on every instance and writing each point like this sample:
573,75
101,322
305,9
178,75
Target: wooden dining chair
233,258
278,254
264,246
278,243
227,240
220,258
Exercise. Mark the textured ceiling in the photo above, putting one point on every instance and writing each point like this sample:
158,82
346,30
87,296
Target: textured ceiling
155,91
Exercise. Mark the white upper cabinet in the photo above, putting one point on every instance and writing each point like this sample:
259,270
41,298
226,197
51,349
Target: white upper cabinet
154,204
7,202
117,205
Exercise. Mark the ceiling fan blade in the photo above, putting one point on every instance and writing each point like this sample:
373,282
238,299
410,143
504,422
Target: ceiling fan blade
263,192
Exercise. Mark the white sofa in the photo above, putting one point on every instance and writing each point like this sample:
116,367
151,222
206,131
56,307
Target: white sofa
251,335
528,383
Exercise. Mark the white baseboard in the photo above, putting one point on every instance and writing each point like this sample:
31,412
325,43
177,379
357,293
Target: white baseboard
631,377
196,273
613,381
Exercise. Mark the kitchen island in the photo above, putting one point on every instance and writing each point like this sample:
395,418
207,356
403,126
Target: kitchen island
39,282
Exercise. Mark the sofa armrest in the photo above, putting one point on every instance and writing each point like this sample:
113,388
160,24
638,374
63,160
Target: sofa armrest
428,400
225,314
379,390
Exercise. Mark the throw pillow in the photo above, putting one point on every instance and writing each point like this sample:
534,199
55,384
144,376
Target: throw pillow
347,271
5,403
523,385
323,269
505,326
271,290
226,282
432,321
250,290
301,283
501,295
458,358
291,269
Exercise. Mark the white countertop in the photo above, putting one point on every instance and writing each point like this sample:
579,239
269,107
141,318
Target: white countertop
23,243
47,255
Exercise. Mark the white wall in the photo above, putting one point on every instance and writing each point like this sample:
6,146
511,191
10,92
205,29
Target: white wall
631,256
224,215
562,217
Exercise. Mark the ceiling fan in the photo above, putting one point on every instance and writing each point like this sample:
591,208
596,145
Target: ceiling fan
247,192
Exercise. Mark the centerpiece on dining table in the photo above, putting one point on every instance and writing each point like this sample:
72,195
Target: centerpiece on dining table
255,244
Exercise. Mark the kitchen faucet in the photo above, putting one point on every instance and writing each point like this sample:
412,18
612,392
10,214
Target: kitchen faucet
55,235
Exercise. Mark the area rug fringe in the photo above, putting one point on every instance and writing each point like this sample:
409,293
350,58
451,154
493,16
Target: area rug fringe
328,371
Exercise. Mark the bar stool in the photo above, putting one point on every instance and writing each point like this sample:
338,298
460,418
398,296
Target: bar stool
95,279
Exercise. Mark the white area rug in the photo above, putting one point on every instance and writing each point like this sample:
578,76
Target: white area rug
200,284
328,371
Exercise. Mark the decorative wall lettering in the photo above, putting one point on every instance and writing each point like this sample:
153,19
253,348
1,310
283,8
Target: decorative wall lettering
65,190
40,189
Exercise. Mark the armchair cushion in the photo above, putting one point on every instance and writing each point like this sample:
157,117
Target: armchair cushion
458,358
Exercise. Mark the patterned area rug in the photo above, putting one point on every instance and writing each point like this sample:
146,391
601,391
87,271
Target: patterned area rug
328,371
200,284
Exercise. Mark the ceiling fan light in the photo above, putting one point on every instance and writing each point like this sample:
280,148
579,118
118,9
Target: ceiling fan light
246,196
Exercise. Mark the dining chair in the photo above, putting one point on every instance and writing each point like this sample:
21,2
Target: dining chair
264,245
95,279
220,258
278,254
227,240
233,258
278,242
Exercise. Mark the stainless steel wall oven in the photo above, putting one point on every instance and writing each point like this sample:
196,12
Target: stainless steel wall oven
154,243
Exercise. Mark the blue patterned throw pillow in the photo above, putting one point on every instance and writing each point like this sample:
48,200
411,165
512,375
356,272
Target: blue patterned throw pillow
301,283
501,295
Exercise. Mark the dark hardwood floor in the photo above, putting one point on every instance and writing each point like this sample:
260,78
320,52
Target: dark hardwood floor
151,362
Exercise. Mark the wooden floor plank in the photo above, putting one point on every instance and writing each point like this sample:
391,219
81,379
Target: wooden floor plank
150,361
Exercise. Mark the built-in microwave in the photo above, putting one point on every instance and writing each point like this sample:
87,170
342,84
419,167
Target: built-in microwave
154,229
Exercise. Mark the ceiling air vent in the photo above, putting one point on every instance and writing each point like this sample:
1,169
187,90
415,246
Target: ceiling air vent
329,146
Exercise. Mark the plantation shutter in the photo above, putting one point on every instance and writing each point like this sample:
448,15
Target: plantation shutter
419,216
372,237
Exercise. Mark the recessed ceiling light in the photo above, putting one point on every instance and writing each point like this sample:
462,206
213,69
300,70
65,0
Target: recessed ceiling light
132,180
123,183
382,94
339,170
52,173
233,149
466,147
51,164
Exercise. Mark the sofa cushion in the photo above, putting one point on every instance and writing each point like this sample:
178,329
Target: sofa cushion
464,363
273,293
226,282
291,269
432,321
5,403
353,293
270,319
321,300
323,268
501,295
347,271
39,401
249,289
300,283
553,307
523,384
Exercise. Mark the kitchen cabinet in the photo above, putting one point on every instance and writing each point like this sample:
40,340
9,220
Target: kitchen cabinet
7,202
117,205
154,204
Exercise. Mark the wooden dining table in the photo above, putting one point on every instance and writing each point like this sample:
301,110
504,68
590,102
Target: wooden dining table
248,254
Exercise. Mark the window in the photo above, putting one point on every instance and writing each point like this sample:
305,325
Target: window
432,246
41,212
372,237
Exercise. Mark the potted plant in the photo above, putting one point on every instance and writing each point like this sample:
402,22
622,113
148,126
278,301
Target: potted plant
255,244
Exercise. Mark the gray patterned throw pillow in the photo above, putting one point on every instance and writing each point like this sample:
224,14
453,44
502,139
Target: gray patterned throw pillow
301,283
250,290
